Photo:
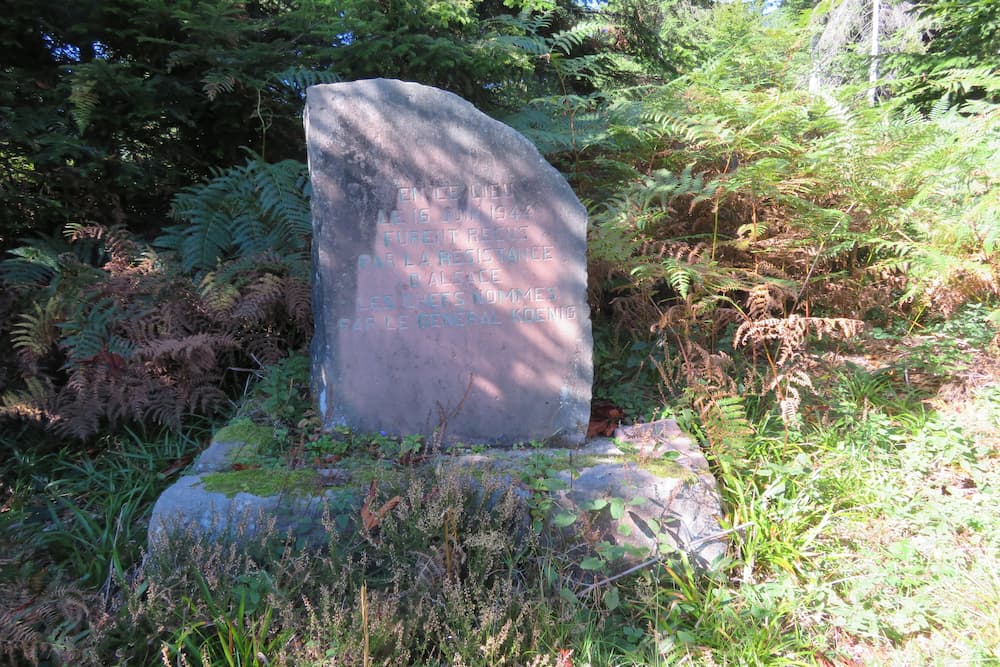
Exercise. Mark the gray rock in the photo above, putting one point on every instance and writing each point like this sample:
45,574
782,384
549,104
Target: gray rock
449,286
661,514
220,456
187,507
668,498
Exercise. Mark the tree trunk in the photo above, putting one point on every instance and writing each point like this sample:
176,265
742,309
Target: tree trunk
874,53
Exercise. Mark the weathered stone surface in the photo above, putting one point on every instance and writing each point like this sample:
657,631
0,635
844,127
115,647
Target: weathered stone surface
449,287
672,502
663,512
186,506
220,455
656,438
670,499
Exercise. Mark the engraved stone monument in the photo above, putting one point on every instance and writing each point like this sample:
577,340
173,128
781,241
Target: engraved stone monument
449,286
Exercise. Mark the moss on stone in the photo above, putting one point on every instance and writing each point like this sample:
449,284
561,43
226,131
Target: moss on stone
264,482
253,440
664,468
245,431
271,480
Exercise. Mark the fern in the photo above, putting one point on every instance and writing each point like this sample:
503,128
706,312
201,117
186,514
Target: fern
32,402
48,625
133,340
300,78
34,263
85,99
89,333
678,275
216,82
724,422
36,332
242,211
662,187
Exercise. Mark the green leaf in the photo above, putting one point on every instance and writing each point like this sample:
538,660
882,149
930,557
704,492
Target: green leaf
686,637
564,519
552,484
611,598
592,563
594,505
617,508
666,548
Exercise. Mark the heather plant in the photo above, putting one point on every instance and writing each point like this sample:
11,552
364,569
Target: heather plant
442,577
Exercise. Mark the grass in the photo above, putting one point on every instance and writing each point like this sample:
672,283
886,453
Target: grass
872,538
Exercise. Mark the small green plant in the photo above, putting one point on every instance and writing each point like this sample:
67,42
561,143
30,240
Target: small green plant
283,391
327,447
411,445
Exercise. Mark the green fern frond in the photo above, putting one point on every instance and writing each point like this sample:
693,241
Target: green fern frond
531,44
88,333
34,263
281,189
724,421
241,211
37,331
300,78
85,99
663,186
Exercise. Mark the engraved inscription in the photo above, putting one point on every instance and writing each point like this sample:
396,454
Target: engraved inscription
454,255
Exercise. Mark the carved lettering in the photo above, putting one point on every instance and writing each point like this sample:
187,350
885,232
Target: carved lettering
455,246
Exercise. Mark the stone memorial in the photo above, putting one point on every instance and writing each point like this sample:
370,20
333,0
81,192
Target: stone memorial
449,259
450,301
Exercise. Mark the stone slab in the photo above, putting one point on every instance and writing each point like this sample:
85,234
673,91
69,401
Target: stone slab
188,507
663,513
449,287
672,503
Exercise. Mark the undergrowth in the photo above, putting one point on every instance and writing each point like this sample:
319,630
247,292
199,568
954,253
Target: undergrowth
866,536
806,283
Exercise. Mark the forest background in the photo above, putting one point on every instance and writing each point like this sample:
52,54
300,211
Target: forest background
793,243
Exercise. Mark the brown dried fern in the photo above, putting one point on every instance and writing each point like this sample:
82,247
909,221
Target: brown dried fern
148,345
791,332
43,624
789,370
